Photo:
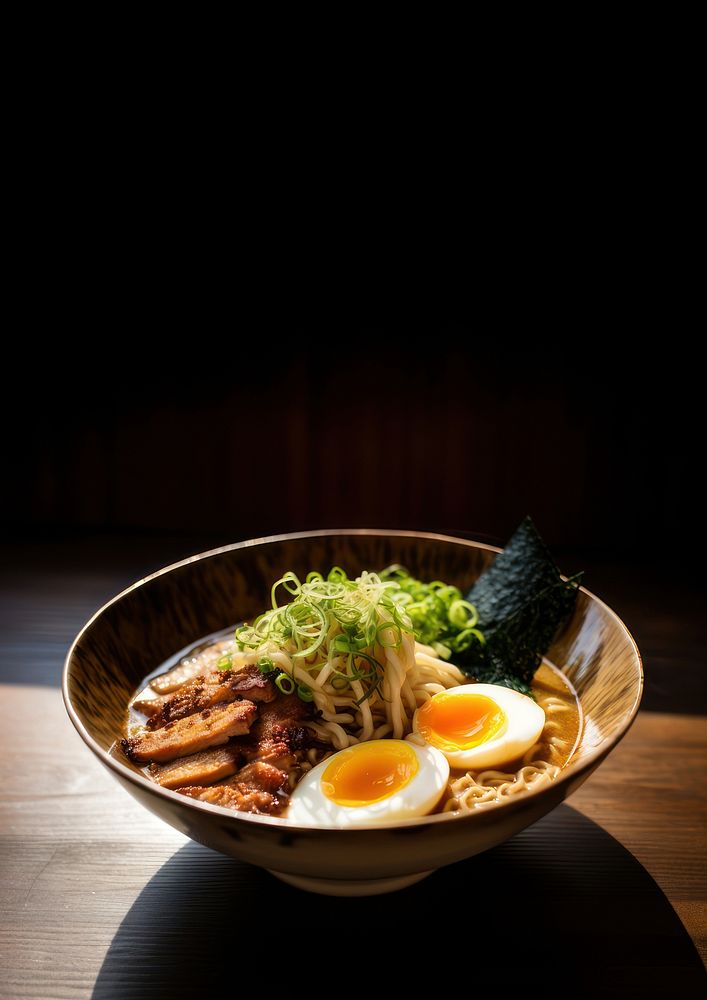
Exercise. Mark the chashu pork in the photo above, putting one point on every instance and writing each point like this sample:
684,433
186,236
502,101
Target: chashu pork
212,689
198,768
256,788
189,668
204,729
279,731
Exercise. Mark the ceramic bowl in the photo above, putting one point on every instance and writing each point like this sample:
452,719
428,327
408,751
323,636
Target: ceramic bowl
172,609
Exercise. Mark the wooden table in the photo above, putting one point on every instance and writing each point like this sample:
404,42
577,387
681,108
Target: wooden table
100,899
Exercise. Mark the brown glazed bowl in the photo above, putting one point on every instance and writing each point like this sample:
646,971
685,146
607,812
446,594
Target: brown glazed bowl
172,609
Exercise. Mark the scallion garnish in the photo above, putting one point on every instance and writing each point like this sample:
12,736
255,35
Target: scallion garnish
285,683
305,693
439,615
351,625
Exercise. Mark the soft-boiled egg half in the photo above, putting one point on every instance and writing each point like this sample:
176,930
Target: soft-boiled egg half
371,783
480,725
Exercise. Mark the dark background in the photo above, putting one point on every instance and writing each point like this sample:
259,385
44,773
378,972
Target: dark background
131,451
437,428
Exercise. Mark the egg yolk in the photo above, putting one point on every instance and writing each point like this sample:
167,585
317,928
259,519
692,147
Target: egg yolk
460,722
369,772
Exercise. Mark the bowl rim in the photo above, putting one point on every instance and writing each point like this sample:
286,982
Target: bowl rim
281,823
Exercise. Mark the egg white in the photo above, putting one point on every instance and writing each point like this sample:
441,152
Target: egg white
524,724
309,806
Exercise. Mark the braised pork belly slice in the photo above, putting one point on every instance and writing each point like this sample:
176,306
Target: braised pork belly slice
148,701
279,731
185,671
249,801
177,677
198,768
257,788
262,777
200,731
208,690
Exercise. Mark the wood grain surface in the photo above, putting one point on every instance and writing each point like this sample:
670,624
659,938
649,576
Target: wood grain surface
100,899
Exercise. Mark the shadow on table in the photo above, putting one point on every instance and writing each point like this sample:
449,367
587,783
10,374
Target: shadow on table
562,898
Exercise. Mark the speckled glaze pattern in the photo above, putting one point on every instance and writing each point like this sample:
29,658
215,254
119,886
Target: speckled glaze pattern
172,609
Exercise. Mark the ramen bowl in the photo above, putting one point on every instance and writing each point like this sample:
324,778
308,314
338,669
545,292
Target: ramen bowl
172,609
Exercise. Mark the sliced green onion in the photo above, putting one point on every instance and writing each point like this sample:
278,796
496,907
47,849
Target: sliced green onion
395,631
285,683
466,639
395,572
367,694
366,657
345,644
265,665
436,610
291,584
462,614
331,615
314,630
224,663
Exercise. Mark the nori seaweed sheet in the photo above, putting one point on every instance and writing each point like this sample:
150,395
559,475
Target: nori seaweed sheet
522,602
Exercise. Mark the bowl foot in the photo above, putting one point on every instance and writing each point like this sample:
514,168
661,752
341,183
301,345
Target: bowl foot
350,887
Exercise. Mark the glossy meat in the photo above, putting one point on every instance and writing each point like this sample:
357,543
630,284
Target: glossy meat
208,690
198,768
148,702
257,788
201,663
205,729
279,731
